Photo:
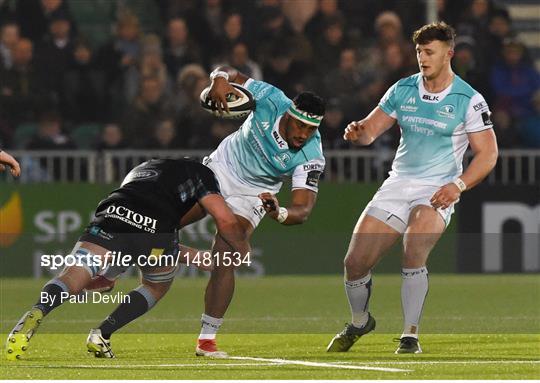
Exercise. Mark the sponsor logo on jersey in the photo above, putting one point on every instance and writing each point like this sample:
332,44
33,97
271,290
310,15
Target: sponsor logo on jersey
139,175
99,232
313,178
486,117
132,218
278,139
308,167
431,98
265,125
282,159
413,120
481,105
408,107
446,111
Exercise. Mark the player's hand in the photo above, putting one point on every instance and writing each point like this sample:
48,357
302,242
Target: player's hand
7,160
270,204
445,196
219,90
355,132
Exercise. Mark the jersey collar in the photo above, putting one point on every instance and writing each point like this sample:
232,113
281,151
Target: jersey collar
433,98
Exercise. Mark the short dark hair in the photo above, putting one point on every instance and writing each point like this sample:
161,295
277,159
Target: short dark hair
435,31
310,102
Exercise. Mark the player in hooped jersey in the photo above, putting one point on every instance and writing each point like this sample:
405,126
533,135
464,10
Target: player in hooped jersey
279,139
439,115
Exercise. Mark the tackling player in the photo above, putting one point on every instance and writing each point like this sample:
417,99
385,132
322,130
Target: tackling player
139,218
439,115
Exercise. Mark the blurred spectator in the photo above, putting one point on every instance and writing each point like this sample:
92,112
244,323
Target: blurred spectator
111,138
505,129
206,23
500,28
530,128
194,121
274,29
239,59
21,87
150,106
282,72
333,126
83,87
149,64
389,31
232,34
180,49
330,44
514,80
34,16
396,65
164,137
464,65
327,10
9,35
299,13
55,53
344,82
49,135
116,57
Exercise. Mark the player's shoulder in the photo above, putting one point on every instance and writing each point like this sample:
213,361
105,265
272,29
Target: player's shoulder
411,81
463,88
313,148
268,98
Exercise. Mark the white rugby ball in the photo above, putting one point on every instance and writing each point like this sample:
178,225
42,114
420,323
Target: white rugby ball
239,107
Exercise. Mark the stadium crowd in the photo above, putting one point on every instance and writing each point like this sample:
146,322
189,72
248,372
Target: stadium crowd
127,74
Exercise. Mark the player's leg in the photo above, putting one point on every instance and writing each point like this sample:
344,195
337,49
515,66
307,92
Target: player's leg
423,231
218,296
155,282
55,292
105,281
372,237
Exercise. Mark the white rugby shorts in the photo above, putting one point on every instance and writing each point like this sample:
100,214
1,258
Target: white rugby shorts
241,198
396,198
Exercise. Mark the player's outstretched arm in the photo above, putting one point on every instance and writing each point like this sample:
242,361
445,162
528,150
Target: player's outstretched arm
365,131
227,225
484,147
302,202
7,160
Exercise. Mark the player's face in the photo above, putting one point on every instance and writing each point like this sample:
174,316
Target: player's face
298,132
433,58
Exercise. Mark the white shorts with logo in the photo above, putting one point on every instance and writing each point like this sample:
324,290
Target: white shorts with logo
396,198
241,198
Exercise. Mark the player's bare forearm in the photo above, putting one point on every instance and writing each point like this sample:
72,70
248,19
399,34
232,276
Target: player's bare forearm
484,146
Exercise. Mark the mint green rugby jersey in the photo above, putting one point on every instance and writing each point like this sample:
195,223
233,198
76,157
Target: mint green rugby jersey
258,156
434,127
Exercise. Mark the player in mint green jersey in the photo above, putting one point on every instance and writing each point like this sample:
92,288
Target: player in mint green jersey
439,116
279,139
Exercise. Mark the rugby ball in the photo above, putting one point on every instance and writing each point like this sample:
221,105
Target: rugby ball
239,107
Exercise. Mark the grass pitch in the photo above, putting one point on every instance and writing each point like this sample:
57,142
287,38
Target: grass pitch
473,327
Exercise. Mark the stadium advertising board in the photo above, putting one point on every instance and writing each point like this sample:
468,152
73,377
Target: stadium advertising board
499,229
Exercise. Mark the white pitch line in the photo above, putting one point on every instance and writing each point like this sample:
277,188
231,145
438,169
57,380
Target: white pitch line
143,365
318,364
452,362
